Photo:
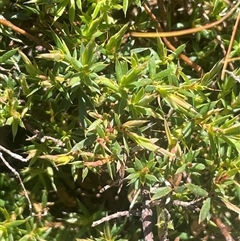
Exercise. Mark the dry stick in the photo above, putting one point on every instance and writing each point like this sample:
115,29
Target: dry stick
13,155
147,215
185,31
187,204
223,229
116,215
232,59
5,22
19,178
168,44
230,47
237,78
220,41
165,228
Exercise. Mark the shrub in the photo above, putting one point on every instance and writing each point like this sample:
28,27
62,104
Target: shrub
126,138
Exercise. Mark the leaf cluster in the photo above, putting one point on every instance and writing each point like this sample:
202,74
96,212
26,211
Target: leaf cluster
104,115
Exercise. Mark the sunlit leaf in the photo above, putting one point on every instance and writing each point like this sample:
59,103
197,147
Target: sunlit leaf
231,206
147,144
6,56
134,123
161,192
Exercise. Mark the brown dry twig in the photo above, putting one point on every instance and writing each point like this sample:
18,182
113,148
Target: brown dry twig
185,31
163,35
168,44
223,228
5,22
230,46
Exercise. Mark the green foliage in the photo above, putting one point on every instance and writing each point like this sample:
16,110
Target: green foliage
105,115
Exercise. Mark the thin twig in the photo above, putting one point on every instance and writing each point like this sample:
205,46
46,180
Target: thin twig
5,22
167,217
168,44
20,180
221,44
185,31
230,46
13,155
39,135
237,78
116,215
44,138
187,204
223,229
147,215
232,59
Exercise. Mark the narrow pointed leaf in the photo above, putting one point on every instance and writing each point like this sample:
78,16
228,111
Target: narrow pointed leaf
197,190
161,192
134,123
147,144
204,212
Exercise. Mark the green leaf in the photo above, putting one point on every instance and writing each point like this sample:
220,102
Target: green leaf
76,64
233,130
162,51
96,10
84,143
88,53
231,206
137,97
138,164
152,67
147,144
79,4
232,142
108,83
161,192
146,100
151,178
134,123
5,213
54,55
61,44
205,209
197,190
197,167
180,49
31,69
71,10
82,110
8,55
14,223
125,6
131,76
118,70
171,141
207,78
134,60
15,125
60,9
162,74
133,176
92,28
97,67
115,41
